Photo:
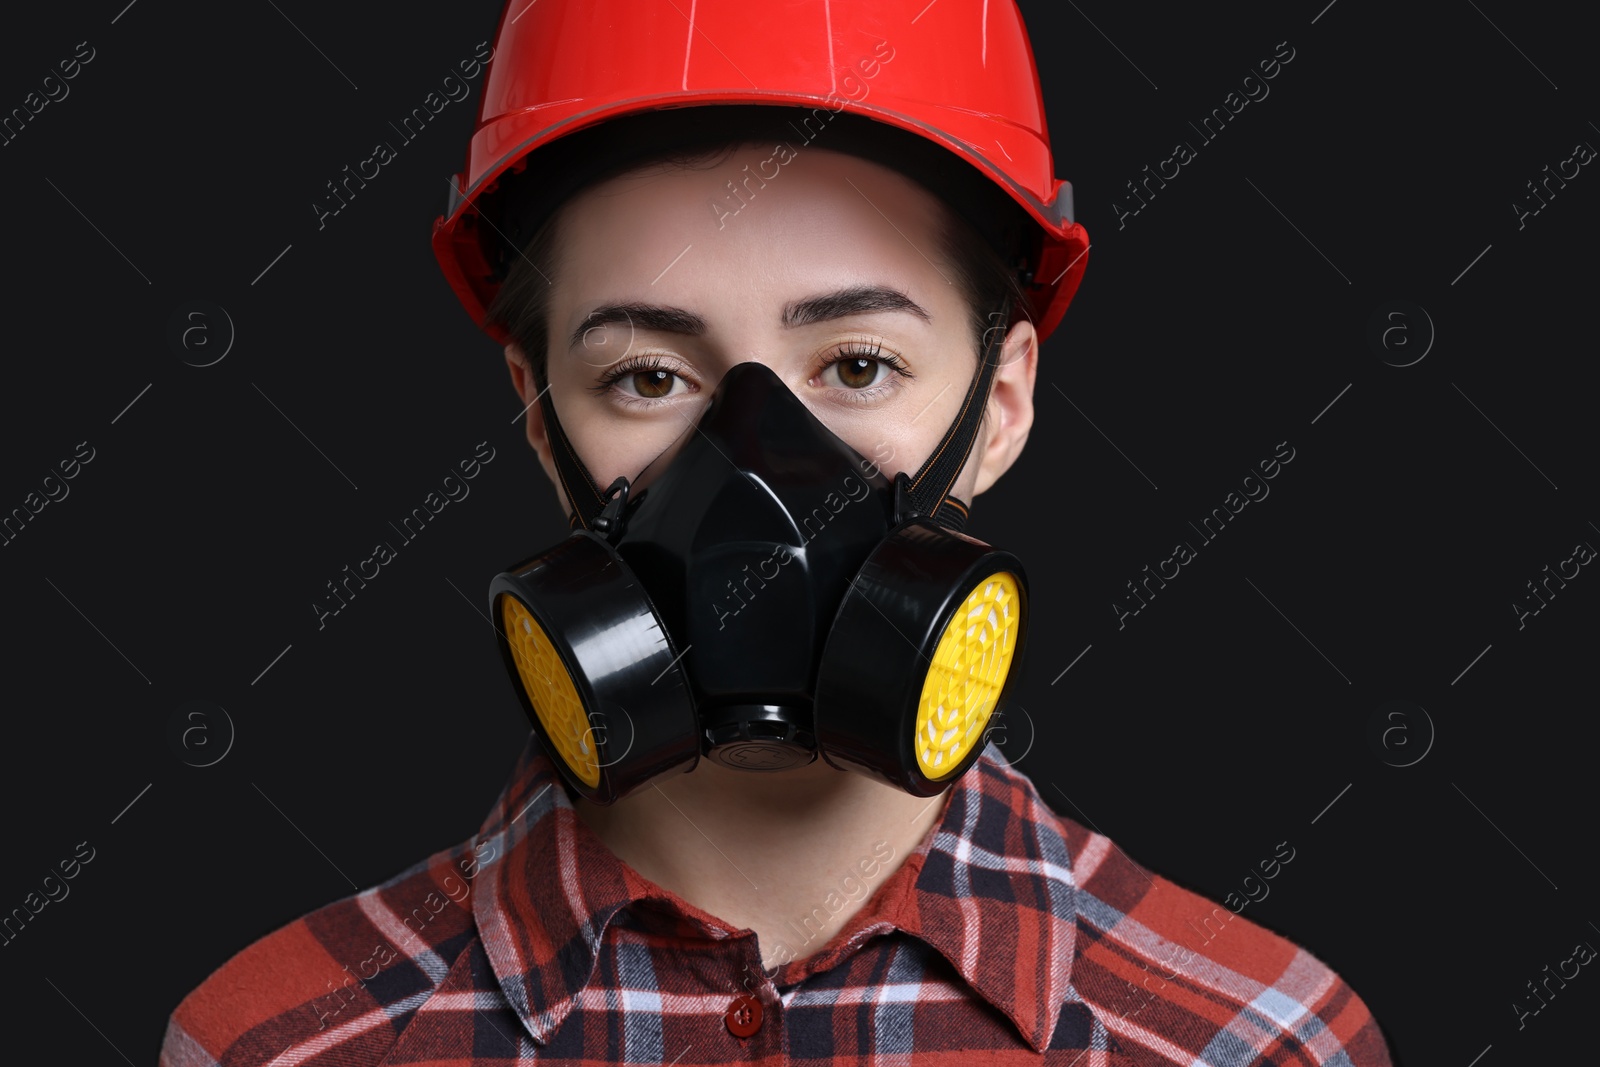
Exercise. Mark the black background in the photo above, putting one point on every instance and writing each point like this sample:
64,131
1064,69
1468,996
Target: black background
1219,721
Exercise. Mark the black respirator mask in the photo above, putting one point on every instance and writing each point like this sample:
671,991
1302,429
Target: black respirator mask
769,597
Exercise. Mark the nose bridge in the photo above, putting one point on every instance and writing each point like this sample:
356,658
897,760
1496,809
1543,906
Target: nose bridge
763,427
747,396
721,420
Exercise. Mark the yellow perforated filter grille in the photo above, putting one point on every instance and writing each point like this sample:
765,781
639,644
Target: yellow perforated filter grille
969,668
550,688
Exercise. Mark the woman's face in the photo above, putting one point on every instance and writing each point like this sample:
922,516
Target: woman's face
829,271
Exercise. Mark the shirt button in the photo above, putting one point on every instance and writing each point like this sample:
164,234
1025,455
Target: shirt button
744,1016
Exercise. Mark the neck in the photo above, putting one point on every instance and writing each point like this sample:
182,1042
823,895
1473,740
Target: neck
792,855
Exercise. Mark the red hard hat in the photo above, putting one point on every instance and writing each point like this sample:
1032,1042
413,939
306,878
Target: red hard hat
958,73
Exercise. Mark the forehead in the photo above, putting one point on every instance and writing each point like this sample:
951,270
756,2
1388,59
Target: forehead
760,220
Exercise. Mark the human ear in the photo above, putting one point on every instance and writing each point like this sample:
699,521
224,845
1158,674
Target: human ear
528,389
1009,415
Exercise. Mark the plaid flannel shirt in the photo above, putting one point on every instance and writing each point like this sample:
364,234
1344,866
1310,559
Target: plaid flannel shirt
1011,935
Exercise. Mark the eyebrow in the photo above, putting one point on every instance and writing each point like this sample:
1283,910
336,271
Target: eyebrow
841,303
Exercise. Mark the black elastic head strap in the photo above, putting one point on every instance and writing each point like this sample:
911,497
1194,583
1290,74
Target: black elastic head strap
585,497
930,487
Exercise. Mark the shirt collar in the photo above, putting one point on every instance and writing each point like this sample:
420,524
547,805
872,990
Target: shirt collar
990,888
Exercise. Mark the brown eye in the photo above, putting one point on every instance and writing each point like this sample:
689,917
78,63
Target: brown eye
653,384
642,380
858,372
865,370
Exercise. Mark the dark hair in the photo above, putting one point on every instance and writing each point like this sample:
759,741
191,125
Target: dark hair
980,228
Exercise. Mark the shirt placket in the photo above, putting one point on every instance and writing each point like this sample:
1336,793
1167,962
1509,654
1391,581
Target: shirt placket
737,1015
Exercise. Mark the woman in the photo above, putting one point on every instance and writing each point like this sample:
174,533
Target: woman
722,306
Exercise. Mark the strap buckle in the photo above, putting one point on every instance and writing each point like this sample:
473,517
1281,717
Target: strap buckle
610,523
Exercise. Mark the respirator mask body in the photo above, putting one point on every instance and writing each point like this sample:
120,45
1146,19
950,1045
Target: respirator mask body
770,596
